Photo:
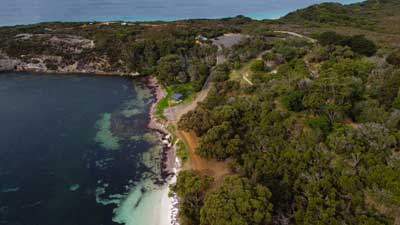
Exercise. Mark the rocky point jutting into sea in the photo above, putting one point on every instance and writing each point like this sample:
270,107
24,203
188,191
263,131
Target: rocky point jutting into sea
60,61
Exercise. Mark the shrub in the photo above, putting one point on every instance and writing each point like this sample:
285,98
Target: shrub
294,101
330,38
394,58
320,123
361,45
370,111
358,43
168,68
257,66
289,53
220,73
396,102
237,201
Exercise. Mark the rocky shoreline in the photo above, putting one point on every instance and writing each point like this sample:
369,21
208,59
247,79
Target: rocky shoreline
169,162
40,64
159,127
64,54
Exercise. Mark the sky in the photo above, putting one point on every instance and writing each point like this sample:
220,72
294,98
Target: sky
14,12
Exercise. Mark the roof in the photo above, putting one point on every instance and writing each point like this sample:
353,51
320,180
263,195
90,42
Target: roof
201,37
177,96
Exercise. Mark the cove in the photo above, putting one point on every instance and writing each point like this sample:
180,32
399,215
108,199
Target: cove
75,149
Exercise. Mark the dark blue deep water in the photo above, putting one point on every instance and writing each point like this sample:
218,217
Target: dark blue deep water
70,146
32,11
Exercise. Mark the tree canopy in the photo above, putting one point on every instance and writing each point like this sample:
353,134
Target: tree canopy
237,202
317,134
191,189
358,43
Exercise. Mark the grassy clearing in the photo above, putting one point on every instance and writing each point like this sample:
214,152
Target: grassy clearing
186,90
162,105
239,74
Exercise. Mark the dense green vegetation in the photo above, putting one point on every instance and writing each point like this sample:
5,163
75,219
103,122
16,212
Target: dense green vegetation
394,58
322,134
237,201
376,19
364,15
329,13
191,188
168,50
182,152
358,43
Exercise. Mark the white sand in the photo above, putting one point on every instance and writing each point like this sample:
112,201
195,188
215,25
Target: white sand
151,208
173,204
165,208
168,208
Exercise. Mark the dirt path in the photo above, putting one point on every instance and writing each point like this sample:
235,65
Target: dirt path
296,35
174,114
208,167
213,168
245,77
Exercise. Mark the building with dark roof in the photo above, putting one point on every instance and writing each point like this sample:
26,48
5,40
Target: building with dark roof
177,97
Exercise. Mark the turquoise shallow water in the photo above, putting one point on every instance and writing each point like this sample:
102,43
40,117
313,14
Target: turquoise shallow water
32,11
75,150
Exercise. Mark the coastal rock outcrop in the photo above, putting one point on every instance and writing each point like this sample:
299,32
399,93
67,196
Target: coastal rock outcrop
63,54
8,64
72,44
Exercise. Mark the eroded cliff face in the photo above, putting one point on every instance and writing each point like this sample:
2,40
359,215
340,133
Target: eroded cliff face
7,63
67,54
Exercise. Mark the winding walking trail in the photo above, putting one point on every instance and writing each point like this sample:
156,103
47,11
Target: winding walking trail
245,77
208,167
173,114
296,35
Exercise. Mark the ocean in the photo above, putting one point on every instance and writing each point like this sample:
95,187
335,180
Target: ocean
14,12
76,150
